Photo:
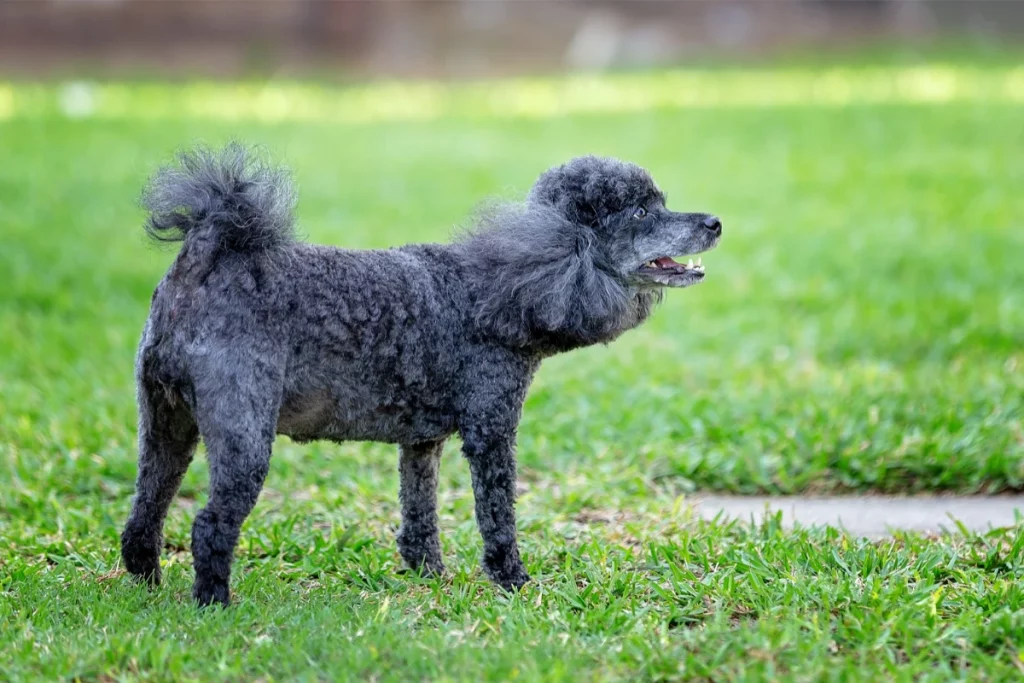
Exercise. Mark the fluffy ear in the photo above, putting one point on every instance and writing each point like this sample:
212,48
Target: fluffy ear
568,191
538,280
586,188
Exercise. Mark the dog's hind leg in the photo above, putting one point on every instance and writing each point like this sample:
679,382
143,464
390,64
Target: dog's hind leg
237,411
167,441
418,538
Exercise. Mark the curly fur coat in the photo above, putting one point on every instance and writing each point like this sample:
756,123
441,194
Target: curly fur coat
252,333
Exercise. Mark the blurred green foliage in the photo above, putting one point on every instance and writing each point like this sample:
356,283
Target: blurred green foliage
861,328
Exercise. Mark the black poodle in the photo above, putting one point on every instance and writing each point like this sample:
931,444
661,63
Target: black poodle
252,333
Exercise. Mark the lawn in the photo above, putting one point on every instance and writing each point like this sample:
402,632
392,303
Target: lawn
861,328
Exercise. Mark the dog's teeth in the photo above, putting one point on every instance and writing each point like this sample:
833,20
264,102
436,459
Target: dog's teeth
689,264
698,261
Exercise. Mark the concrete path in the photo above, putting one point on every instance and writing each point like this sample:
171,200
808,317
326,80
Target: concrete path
871,516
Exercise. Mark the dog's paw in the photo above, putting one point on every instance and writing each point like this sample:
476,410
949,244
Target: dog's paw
510,579
427,563
148,574
211,593
503,566
434,569
430,569
143,563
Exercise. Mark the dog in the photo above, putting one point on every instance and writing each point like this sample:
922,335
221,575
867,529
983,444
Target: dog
254,333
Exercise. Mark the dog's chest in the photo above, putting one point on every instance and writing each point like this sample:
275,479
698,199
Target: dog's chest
355,415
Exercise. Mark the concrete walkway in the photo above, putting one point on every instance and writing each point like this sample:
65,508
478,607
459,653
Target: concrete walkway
871,516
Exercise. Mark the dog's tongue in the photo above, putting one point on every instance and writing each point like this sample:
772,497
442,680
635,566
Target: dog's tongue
665,262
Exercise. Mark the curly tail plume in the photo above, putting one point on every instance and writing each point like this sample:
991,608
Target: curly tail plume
234,197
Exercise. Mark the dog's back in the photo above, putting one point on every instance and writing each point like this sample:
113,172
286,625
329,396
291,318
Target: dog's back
350,345
375,339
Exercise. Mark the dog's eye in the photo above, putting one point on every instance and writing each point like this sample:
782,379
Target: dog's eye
640,213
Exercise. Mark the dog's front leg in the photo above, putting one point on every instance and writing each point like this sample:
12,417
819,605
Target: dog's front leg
492,463
418,538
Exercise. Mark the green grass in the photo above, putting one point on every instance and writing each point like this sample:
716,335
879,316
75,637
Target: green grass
861,328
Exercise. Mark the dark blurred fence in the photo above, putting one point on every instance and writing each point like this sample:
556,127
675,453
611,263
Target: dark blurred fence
451,37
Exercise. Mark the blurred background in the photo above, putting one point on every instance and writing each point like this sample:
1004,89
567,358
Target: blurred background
457,38
861,328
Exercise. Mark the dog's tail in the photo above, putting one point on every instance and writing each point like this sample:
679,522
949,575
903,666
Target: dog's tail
231,199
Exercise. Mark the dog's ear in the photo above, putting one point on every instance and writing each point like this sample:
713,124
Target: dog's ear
536,275
570,190
587,189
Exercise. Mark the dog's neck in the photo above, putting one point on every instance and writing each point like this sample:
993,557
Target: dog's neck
529,331
539,282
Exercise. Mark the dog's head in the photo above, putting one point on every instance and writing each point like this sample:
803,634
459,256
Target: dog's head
584,259
622,214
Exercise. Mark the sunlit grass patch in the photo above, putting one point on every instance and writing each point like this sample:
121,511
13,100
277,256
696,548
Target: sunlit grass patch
649,596
861,329
518,98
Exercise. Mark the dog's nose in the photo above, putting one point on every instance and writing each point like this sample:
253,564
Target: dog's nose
713,224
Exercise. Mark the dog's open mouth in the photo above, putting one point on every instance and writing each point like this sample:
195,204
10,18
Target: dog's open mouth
668,272
668,263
